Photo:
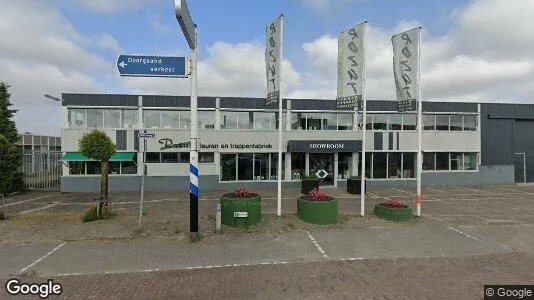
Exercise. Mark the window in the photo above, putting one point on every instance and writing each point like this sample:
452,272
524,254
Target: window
368,164
153,157
95,118
151,119
345,121
112,119
261,166
206,119
395,165
245,120
313,121
169,157
408,165
265,121
329,122
409,121
429,161
344,165
442,161
298,165
228,167
470,123
93,167
457,161
274,166
170,119
206,157
456,122
442,122
129,167
379,164
429,122
369,119
77,118
395,122
228,120
185,119
298,121
184,157
380,121
470,161
129,118
114,167
76,167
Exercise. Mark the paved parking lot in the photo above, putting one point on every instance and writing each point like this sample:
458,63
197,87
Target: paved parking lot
457,222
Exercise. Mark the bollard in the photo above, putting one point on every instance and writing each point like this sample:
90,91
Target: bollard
218,217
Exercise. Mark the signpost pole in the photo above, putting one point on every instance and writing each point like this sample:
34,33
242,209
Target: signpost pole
280,106
419,129
364,124
193,156
142,185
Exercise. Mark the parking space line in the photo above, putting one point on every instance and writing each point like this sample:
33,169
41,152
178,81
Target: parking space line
433,189
467,235
43,257
316,244
470,189
27,200
401,191
39,208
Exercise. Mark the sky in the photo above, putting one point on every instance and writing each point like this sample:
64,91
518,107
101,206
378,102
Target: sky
472,50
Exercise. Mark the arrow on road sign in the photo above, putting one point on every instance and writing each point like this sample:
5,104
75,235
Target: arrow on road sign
152,66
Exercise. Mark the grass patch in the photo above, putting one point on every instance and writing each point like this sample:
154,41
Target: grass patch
291,225
3,216
91,214
196,237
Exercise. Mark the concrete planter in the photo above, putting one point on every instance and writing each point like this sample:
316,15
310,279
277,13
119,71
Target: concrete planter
393,213
229,206
317,212
308,184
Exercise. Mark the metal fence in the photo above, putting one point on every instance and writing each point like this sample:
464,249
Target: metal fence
42,169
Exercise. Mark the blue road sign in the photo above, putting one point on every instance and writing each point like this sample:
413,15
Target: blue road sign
145,135
151,66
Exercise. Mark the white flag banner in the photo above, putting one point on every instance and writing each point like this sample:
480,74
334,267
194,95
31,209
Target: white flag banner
273,60
350,66
406,60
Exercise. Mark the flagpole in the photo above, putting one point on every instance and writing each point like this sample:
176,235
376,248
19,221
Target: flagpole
280,103
364,122
419,130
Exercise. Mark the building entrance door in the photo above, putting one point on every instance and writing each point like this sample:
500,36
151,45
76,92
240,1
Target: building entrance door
322,165
520,164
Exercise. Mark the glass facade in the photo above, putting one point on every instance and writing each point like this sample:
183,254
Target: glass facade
344,165
249,166
453,161
93,167
298,165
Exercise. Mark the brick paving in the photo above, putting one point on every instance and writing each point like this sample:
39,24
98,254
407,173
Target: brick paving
415,278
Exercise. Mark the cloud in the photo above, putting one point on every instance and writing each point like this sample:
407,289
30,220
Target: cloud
113,6
229,70
485,56
324,4
106,41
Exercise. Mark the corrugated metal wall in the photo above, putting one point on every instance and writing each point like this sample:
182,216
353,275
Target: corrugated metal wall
99,99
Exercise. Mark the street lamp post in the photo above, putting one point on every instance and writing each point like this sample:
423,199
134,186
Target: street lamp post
189,30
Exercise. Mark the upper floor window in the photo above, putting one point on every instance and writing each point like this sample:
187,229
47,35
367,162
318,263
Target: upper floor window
98,118
452,122
321,121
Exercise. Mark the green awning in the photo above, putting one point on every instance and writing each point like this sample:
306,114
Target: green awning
78,156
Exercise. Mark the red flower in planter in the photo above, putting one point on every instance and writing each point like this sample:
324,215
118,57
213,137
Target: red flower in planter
242,192
317,195
394,203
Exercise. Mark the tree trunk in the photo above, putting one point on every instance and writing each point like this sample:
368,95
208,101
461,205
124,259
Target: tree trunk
104,186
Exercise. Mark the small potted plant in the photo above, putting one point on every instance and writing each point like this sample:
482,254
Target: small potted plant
240,208
308,183
393,210
354,185
317,208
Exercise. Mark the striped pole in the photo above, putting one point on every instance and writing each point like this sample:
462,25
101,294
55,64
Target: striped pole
193,155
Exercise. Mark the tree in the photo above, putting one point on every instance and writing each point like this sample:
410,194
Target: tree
11,178
97,145
7,125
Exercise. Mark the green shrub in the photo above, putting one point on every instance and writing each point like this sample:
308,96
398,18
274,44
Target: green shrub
3,216
91,214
